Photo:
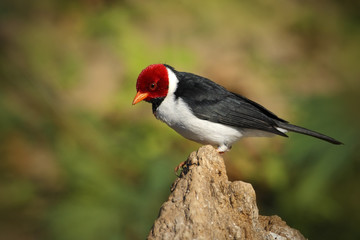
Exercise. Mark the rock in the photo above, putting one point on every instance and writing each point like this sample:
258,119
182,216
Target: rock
204,204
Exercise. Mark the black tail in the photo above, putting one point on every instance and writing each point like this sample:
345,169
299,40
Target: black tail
308,132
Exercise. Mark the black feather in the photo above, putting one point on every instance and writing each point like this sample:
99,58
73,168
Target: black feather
156,103
210,101
294,128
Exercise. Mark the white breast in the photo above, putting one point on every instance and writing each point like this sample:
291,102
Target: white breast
178,116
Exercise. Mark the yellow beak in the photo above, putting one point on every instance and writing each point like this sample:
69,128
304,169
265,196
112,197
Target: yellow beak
139,97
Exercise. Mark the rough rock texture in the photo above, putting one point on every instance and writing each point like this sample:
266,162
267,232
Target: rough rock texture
204,204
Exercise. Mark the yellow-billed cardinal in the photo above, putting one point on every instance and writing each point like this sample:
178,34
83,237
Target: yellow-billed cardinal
207,113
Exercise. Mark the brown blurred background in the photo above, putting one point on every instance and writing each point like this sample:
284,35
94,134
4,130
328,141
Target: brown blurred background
78,161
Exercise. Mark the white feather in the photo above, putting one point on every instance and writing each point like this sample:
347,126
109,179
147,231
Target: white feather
282,130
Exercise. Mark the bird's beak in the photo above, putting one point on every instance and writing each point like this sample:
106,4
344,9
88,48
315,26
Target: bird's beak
139,97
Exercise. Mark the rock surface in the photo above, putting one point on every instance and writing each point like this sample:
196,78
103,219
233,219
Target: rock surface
204,204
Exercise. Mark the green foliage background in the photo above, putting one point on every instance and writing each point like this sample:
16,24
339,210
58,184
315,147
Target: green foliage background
78,161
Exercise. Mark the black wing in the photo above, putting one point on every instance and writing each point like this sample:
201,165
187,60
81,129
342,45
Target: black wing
212,102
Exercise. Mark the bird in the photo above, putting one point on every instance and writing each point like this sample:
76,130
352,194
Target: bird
206,112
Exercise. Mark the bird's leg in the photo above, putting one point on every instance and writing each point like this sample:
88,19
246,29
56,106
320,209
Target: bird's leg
223,148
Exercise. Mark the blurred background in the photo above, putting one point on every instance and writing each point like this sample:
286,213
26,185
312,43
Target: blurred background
78,161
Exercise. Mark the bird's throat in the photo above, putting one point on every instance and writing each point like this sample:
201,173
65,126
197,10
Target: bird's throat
156,103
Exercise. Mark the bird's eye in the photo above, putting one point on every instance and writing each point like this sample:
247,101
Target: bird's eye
153,86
